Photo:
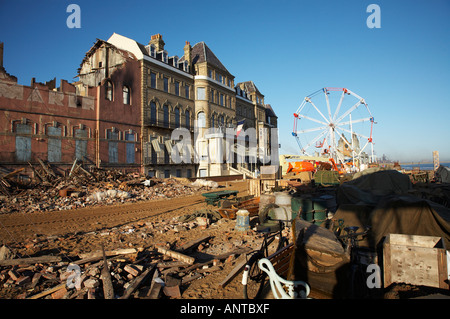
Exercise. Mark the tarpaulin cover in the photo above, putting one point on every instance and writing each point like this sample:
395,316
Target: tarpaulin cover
382,201
443,174
370,188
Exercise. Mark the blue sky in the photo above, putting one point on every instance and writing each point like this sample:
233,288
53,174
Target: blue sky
288,48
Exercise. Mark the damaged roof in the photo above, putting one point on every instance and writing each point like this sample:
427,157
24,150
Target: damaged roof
99,43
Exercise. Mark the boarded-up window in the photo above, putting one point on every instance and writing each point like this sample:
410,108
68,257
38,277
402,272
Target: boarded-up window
113,153
130,148
54,144
23,143
80,144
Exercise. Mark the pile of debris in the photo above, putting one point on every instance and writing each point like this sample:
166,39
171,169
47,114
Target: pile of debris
162,270
50,189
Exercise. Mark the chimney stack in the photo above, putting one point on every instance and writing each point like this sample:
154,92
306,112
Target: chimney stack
188,53
157,41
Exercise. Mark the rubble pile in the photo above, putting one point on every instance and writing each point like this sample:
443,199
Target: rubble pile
135,263
50,190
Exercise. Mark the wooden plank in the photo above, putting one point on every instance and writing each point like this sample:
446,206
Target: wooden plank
47,292
155,288
109,253
137,282
174,254
193,244
46,169
30,260
108,290
17,171
233,273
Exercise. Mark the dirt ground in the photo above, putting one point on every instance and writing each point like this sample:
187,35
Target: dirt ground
139,225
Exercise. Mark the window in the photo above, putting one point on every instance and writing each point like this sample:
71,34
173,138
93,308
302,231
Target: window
177,117
152,113
177,88
188,119
166,116
165,56
186,66
201,119
109,91
151,50
166,84
213,118
186,91
201,93
221,99
219,77
211,96
126,95
210,74
153,80
175,62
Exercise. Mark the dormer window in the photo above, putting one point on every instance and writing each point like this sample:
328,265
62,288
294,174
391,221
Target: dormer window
164,56
175,61
151,50
185,66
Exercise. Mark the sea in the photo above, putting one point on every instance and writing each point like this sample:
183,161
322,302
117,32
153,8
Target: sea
422,166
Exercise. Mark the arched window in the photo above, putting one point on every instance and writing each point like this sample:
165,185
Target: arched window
201,119
166,115
177,117
188,119
152,113
126,95
109,91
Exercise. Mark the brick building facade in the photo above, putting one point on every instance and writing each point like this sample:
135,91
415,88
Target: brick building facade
126,104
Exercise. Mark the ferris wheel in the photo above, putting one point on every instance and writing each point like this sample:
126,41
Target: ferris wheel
335,123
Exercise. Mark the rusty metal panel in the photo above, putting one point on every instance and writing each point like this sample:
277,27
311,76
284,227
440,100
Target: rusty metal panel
130,147
23,143
54,144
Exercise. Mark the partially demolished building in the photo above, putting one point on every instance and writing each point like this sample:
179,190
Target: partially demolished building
124,107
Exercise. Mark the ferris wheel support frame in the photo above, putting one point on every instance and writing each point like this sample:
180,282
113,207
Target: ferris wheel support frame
334,124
